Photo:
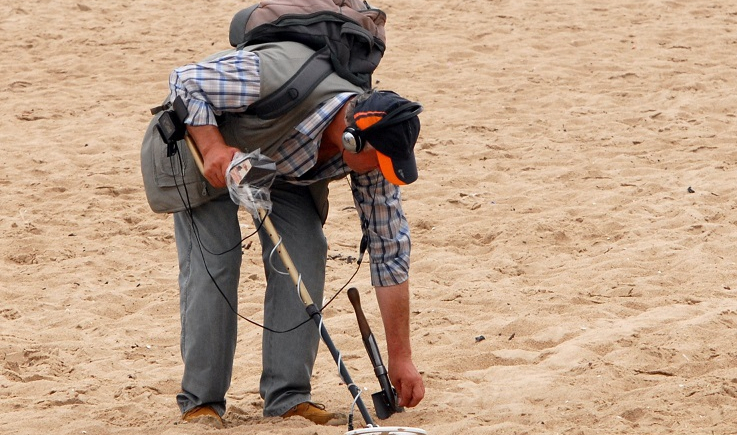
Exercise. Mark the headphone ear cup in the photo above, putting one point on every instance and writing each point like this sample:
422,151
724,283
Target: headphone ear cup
352,140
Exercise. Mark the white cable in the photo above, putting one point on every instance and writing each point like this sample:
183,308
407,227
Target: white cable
355,399
274,268
271,258
320,328
299,285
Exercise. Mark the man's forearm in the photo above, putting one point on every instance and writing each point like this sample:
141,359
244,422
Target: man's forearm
394,305
207,138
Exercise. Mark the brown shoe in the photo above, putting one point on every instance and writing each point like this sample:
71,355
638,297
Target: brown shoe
204,415
316,413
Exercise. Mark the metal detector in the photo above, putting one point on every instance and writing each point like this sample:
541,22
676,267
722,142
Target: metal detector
244,170
314,312
387,430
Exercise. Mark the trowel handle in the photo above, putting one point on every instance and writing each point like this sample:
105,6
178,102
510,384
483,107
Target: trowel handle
368,340
385,401
363,325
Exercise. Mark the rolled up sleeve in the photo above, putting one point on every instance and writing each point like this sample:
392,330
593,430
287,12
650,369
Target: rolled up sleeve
228,82
379,206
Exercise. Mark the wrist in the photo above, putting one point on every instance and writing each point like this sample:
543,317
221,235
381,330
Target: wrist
208,139
399,351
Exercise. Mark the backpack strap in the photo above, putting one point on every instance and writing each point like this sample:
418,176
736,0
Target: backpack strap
296,89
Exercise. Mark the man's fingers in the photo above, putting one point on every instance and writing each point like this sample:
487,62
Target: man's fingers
216,164
418,392
214,178
410,393
215,173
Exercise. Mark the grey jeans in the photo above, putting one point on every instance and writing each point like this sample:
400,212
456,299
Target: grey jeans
208,275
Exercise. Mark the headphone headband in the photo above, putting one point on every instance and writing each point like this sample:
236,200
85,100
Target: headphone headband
353,138
397,115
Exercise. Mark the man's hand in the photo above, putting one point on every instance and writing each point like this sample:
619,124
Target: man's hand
216,155
407,381
216,164
394,305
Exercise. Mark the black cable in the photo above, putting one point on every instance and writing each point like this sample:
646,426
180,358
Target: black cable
187,206
196,233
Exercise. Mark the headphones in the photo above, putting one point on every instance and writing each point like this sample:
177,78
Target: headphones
353,139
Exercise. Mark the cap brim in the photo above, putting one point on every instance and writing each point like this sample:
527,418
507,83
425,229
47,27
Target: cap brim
398,171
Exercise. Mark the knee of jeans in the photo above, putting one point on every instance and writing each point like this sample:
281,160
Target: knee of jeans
313,254
321,247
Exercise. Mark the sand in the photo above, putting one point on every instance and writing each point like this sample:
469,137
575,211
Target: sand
573,226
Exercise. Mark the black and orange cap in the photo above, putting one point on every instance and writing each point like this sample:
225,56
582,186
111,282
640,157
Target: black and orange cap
391,125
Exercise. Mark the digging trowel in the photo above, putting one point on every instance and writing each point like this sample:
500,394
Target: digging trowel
385,401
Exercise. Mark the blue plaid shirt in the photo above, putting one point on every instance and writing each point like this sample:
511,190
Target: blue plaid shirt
230,83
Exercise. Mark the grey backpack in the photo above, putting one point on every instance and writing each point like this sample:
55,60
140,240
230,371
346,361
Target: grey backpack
348,39
350,31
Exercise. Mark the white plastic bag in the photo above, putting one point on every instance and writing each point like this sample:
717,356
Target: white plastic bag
249,179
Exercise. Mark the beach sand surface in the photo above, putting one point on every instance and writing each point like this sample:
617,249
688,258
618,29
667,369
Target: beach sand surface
573,264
